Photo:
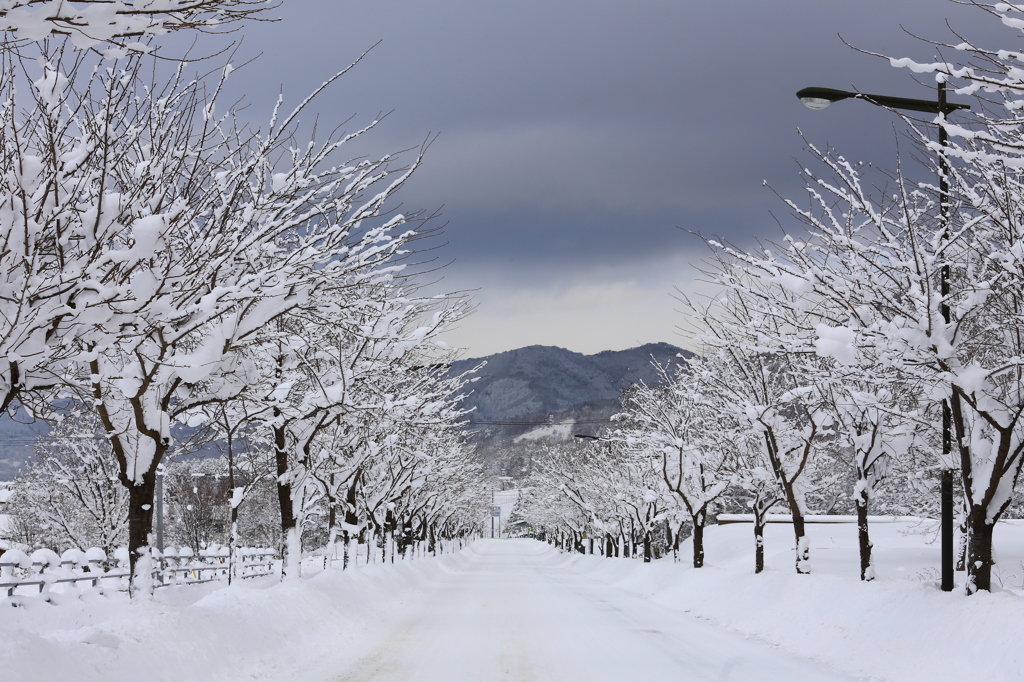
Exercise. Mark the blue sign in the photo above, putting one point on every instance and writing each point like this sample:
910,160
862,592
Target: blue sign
496,511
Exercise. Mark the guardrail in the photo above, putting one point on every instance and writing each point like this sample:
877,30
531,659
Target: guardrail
45,569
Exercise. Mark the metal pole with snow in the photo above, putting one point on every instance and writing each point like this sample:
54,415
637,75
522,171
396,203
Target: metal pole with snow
819,98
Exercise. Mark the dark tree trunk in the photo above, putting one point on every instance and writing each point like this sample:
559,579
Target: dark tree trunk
332,523
758,545
284,495
351,519
609,548
346,540
803,548
647,547
141,499
979,552
668,540
698,540
390,526
867,572
405,537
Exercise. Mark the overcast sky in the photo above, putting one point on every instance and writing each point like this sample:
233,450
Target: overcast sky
580,140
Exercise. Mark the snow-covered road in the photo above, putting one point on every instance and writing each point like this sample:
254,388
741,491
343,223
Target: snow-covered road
516,610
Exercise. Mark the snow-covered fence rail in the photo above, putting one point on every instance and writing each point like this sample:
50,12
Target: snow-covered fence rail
44,568
724,519
183,566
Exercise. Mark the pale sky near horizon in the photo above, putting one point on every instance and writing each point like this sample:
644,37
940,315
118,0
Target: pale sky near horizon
579,141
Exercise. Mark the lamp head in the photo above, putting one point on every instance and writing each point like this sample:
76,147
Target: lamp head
819,98
816,103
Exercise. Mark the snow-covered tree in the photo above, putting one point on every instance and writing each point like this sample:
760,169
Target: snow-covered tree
163,259
196,503
249,465
680,425
92,23
873,411
231,239
976,358
874,267
71,488
346,381
761,384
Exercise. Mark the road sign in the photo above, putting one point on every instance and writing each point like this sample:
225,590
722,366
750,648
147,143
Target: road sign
496,511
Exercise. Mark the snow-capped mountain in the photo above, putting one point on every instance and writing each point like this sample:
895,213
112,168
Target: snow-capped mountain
539,383
531,384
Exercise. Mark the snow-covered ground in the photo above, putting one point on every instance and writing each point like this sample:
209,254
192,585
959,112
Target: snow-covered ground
519,610
900,627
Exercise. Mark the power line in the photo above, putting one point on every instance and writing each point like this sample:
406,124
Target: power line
562,423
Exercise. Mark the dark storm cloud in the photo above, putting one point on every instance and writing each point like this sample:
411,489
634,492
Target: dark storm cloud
575,133
593,116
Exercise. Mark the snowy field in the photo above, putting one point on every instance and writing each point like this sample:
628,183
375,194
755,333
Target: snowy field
519,610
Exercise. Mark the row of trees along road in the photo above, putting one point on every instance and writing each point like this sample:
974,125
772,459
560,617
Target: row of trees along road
164,263
827,355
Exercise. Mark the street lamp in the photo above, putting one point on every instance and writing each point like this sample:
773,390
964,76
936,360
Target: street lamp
819,98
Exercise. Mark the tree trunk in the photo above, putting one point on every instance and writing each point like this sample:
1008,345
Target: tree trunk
979,552
668,540
647,547
803,546
698,539
289,563
344,554
867,571
141,498
351,519
388,551
803,549
758,545
332,530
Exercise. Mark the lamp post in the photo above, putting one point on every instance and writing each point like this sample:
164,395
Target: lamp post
160,507
819,98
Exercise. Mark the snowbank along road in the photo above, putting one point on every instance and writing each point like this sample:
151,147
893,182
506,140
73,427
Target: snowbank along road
516,610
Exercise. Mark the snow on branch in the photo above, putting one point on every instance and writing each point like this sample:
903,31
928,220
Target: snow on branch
91,23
